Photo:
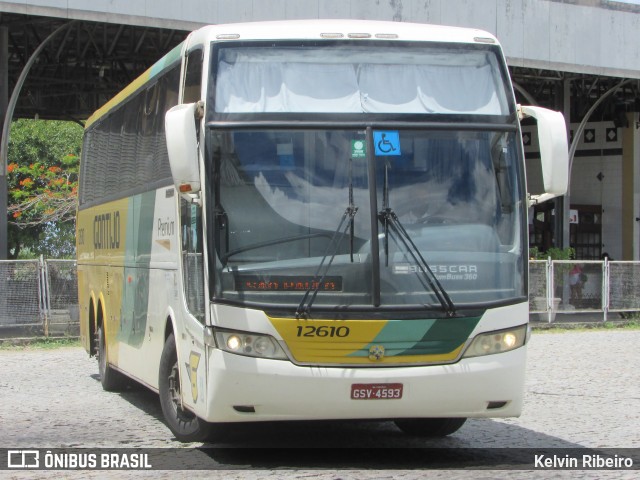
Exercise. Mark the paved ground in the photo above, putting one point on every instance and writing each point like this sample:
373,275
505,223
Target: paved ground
583,391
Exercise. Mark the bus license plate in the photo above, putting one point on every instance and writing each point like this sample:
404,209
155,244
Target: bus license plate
376,391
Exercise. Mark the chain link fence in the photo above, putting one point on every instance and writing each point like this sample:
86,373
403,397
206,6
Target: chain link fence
624,286
38,297
21,284
583,286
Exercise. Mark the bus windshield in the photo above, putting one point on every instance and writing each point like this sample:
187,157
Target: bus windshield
372,77
288,200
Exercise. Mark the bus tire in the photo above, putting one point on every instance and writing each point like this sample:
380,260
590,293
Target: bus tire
111,380
430,427
185,425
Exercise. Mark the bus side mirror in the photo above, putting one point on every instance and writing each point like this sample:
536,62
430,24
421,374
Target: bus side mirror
554,151
182,146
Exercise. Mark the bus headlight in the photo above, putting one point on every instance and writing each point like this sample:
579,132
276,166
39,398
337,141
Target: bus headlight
249,344
499,341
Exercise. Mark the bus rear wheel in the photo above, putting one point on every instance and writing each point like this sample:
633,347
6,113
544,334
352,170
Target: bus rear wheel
185,425
430,427
111,380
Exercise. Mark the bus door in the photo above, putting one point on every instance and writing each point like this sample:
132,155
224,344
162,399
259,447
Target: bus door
191,350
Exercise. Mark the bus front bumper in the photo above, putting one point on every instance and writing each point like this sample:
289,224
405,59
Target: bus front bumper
246,389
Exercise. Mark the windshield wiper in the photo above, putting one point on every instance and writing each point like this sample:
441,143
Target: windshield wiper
389,219
310,295
350,212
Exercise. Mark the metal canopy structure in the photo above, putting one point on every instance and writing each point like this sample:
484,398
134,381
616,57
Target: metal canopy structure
548,88
83,67
90,62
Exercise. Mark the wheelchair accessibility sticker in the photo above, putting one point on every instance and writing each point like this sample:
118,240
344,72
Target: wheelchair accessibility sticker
386,143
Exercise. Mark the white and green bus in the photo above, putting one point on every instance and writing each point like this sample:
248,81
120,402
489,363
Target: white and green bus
314,220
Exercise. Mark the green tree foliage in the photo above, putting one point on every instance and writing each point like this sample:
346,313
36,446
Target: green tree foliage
42,177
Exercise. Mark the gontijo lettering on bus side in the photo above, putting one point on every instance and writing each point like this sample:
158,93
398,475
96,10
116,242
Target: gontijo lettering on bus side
106,231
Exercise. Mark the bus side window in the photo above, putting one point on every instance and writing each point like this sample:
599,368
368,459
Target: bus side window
193,77
192,260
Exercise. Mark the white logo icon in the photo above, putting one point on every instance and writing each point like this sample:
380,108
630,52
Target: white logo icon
23,459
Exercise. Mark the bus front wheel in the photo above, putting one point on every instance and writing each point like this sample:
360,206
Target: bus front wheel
185,425
430,427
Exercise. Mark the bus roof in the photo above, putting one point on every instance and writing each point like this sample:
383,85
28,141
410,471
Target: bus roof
304,30
340,29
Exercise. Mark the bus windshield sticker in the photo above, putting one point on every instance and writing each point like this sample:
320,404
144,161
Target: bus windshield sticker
285,155
386,143
358,149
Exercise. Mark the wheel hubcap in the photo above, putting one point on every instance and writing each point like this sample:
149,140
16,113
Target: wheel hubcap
174,393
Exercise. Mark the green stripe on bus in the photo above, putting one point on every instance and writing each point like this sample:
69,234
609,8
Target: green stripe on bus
421,337
444,336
